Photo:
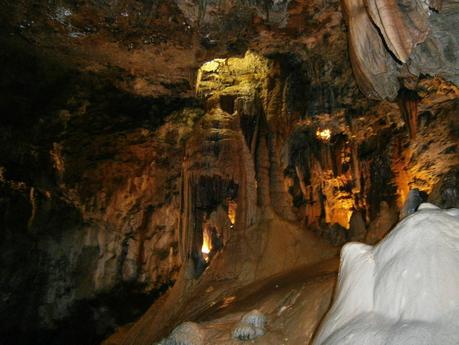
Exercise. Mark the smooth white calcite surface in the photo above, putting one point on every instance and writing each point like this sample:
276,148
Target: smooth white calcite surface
403,291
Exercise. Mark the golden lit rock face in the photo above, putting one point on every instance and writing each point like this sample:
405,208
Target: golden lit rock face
324,134
334,181
206,244
369,163
432,151
235,76
232,211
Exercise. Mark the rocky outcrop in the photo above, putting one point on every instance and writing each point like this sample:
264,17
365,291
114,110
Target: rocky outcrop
120,242
90,193
393,40
328,172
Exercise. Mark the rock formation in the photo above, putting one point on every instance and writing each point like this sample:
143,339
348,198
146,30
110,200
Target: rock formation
392,40
187,333
153,151
402,291
251,326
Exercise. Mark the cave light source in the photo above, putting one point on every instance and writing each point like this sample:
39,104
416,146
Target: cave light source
232,208
206,245
323,134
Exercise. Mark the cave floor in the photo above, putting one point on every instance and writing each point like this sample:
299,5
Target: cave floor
294,303
257,295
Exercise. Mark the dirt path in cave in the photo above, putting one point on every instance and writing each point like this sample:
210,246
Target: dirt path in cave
250,296
293,302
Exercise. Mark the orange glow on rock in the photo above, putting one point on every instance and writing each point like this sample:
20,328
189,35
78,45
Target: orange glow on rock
232,208
206,244
323,134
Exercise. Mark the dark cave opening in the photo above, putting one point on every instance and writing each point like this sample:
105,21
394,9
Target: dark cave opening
214,214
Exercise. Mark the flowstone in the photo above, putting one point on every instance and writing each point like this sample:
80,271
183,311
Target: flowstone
403,291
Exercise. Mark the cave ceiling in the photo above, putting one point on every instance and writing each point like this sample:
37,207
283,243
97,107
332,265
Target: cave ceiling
155,47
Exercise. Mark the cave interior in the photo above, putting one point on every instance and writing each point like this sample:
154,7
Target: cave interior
193,172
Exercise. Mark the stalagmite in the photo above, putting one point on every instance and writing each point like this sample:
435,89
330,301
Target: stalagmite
412,202
142,187
251,326
187,333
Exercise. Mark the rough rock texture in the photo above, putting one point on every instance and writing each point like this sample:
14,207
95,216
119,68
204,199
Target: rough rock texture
143,143
155,47
402,291
227,159
293,303
251,326
90,195
293,171
393,40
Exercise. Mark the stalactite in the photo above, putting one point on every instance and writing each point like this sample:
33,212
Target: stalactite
374,69
408,103
403,27
264,198
281,200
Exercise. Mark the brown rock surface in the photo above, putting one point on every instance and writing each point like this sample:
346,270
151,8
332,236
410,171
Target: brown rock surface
394,40
134,134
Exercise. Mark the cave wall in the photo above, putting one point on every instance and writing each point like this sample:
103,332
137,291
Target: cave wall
361,174
90,202
296,185
370,163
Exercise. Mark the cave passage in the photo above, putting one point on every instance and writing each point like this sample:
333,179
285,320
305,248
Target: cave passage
223,172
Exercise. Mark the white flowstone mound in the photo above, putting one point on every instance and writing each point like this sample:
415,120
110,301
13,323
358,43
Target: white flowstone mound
403,291
251,326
